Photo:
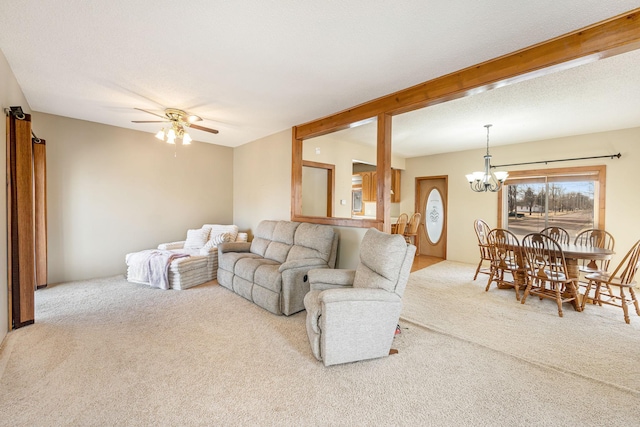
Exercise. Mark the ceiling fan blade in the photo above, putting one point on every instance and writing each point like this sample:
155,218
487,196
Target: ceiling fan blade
203,128
149,121
150,112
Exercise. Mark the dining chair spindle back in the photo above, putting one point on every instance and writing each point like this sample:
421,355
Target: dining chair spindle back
506,257
558,234
401,224
547,271
482,229
622,278
411,234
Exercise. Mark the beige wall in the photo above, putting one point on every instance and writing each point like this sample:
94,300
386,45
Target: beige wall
622,204
112,191
10,95
262,181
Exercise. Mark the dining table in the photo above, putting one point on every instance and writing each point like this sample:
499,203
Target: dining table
573,254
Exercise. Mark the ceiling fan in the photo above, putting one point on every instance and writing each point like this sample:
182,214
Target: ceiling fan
179,120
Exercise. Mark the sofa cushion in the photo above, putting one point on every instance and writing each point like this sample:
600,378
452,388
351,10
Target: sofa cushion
196,238
215,240
312,241
268,276
281,241
262,237
229,259
378,269
246,267
215,229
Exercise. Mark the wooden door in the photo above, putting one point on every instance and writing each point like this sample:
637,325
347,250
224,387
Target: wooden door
366,187
431,202
20,220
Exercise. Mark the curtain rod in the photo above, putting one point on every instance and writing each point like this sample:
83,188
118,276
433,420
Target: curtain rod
610,156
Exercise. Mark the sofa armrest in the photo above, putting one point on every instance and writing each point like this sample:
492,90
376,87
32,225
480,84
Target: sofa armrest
308,263
329,278
357,294
208,251
171,245
234,247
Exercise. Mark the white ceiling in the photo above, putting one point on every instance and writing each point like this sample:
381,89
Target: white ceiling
254,68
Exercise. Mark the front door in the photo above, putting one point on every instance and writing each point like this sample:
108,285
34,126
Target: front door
431,202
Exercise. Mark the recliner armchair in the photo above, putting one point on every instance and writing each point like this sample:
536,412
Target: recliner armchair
352,314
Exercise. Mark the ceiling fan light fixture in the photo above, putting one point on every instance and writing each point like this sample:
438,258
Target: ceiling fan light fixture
179,121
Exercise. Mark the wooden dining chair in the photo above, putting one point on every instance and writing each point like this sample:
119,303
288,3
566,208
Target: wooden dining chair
401,224
558,234
622,278
595,238
411,233
547,271
482,229
506,257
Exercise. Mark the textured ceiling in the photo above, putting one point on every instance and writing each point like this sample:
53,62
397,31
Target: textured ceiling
253,68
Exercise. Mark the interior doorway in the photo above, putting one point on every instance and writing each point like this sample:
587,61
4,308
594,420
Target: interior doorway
431,202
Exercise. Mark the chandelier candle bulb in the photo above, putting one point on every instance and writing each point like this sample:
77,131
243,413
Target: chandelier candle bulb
487,180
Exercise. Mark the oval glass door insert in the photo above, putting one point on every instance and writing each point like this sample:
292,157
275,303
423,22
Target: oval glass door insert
434,218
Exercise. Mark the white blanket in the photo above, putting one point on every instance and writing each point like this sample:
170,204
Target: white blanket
152,266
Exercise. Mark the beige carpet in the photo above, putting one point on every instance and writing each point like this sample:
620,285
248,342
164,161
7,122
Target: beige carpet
111,353
595,343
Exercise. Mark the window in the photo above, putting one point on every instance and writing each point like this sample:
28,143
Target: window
571,198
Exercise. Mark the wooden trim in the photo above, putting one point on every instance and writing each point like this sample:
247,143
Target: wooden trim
599,171
383,171
40,208
607,38
9,132
610,37
21,227
296,177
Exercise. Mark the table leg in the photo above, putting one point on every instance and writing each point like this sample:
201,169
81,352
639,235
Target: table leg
574,273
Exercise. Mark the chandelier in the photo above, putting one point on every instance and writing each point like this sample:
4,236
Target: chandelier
487,180
176,131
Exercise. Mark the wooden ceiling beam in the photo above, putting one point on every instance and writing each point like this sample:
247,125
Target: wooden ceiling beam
607,38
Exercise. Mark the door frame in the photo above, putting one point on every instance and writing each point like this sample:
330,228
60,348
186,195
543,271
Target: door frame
331,182
445,204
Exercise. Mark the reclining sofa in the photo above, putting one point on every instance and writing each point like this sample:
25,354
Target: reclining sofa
195,259
271,270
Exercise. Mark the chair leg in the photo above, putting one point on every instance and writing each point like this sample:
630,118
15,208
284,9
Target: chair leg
586,295
478,269
596,297
574,291
518,279
492,275
635,300
625,309
527,289
559,300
